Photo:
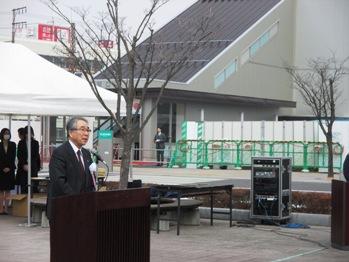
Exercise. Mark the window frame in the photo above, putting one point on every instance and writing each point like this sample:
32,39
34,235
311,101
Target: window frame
223,73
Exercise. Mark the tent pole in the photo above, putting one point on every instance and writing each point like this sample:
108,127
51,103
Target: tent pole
9,122
29,170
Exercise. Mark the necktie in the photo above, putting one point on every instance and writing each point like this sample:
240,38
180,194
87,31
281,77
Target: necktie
82,169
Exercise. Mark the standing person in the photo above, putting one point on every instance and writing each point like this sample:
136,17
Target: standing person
7,168
346,168
159,141
21,133
21,136
69,164
22,155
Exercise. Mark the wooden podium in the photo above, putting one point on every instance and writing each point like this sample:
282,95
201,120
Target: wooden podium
340,215
101,226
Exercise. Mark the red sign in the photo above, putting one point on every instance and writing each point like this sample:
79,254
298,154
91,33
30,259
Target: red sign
53,33
106,43
45,32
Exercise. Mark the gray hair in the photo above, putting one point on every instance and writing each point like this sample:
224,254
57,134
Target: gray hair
72,123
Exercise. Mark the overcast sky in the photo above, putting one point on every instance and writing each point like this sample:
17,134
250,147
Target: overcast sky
37,12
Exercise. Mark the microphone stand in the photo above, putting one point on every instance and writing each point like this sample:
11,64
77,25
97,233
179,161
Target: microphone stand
99,184
106,176
97,159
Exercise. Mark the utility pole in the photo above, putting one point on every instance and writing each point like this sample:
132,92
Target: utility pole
15,25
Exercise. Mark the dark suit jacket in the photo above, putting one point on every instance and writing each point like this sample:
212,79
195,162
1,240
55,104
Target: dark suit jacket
7,159
65,177
346,168
22,155
162,139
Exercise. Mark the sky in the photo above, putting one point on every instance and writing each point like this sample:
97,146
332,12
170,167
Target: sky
131,10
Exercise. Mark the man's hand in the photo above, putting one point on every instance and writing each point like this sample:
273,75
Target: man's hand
6,170
25,167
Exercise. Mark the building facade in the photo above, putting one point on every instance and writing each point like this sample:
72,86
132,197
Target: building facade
240,73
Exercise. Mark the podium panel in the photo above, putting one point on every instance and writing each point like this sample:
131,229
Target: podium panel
340,215
101,226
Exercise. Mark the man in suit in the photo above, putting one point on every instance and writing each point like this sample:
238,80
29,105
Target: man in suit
69,164
159,141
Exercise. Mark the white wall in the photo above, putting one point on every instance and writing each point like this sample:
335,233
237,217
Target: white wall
305,131
322,28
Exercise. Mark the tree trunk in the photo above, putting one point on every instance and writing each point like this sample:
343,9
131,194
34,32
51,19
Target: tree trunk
125,163
330,153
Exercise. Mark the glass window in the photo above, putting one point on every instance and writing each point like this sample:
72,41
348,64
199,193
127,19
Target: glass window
219,79
163,120
261,41
254,47
273,31
264,39
231,69
174,121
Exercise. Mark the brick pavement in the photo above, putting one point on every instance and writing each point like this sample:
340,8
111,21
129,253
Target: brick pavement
202,243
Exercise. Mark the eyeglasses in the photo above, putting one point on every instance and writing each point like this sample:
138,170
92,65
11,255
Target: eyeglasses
83,130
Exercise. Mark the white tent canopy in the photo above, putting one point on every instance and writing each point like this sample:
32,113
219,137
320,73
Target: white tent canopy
31,85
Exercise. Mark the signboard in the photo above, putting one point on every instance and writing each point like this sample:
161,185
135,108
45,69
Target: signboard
105,147
106,43
62,33
105,135
53,33
45,32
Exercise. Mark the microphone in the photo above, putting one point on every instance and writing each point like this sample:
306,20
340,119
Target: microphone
98,157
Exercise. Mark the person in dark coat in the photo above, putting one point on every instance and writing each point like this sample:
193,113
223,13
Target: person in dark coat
346,168
159,140
22,155
7,168
21,133
21,136
70,163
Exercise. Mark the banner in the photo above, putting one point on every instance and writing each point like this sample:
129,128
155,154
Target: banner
53,33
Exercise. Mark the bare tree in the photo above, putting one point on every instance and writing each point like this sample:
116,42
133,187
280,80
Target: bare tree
132,69
319,88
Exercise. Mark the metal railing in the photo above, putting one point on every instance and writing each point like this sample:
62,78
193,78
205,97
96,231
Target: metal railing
230,153
238,153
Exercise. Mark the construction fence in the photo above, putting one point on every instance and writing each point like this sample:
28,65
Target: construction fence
237,153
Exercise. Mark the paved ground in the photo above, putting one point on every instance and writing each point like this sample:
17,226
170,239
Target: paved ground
300,181
161,175
196,243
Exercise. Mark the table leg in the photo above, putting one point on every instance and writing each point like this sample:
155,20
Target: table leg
230,207
178,212
158,214
211,195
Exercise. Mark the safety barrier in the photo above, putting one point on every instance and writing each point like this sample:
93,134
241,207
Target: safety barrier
188,153
238,153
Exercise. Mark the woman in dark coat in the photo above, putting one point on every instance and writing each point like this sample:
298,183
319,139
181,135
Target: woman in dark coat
346,168
22,155
7,168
